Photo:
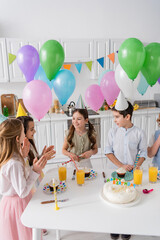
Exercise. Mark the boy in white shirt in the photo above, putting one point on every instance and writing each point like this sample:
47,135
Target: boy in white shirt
125,141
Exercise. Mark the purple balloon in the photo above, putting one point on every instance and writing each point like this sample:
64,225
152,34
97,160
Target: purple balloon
28,61
37,98
159,80
94,97
109,87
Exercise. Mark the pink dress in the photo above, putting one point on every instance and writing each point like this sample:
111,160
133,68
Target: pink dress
11,227
15,186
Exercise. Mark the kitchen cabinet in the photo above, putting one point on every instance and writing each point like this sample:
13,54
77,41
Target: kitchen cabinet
78,50
4,77
57,136
146,120
43,134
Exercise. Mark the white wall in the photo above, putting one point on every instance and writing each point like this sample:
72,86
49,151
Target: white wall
38,19
80,19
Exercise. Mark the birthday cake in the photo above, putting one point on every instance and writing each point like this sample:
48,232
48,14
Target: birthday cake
119,194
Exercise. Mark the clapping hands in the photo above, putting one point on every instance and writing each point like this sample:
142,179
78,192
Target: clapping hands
48,152
39,164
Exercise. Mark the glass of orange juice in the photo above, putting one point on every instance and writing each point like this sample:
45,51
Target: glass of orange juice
80,176
137,176
153,171
62,172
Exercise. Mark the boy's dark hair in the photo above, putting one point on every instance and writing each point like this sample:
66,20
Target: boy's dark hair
129,110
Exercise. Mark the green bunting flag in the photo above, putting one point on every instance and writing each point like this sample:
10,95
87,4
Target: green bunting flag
89,65
11,58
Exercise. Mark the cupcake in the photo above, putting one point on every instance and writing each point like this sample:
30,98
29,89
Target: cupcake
121,172
51,185
87,171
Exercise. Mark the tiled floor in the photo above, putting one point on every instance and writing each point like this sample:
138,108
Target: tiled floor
68,235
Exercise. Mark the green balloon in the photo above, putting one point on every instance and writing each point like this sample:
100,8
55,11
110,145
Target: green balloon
51,58
131,55
151,67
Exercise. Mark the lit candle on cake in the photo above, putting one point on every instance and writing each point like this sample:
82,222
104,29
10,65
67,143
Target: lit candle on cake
55,195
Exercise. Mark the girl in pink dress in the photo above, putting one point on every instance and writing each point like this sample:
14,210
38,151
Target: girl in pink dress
15,182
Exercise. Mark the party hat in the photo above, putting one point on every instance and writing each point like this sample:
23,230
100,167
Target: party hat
2,118
121,103
21,112
80,103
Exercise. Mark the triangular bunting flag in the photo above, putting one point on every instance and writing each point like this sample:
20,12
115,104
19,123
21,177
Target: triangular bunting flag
89,65
78,66
101,61
111,56
11,57
67,66
21,112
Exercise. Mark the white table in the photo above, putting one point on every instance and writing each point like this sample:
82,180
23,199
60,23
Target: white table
86,211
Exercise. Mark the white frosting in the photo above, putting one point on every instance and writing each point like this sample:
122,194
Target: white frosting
121,170
87,170
119,193
53,181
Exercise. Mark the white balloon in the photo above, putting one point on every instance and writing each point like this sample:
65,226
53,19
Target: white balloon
127,86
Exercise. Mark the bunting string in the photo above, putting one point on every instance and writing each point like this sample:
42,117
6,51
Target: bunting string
12,57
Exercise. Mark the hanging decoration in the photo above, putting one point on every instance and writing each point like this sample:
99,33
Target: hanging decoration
67,66
89,65
111,57
101,61
78,66
11,57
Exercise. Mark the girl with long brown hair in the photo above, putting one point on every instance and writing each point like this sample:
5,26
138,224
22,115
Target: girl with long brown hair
80,141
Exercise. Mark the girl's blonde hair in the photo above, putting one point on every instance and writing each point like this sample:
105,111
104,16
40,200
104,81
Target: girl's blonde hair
9,130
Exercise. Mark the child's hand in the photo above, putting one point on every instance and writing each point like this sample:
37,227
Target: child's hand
25,147
87,154
49,154
45,149
74,156
38,165
128,167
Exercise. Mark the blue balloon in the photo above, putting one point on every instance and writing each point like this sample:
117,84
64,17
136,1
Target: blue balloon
64,84
40,75
143,85
102,74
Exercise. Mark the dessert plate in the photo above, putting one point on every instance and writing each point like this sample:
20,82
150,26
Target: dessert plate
61,188
130,204
128,176
92,175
